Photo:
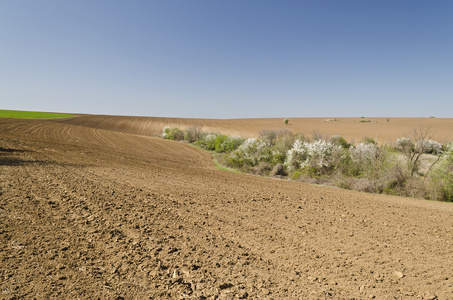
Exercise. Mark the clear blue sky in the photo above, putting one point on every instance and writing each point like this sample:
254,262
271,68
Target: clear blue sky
228,58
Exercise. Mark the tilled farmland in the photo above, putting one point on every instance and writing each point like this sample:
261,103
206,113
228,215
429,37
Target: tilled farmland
96,207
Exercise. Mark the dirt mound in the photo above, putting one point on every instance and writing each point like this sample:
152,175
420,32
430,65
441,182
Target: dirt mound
88,212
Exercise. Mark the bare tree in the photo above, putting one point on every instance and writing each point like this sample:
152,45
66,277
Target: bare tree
193,133
317,136
268,135
413,145
272,136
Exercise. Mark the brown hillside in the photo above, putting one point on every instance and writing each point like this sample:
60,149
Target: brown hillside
353,129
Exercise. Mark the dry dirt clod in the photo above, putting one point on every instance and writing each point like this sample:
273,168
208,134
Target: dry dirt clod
243,294
265,291
399,274
430,296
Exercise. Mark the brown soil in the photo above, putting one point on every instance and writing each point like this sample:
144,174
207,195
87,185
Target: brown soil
94,213
353,129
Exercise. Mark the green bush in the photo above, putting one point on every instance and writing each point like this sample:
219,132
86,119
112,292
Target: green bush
339,141
219,142
229,144
251,153
210,141
348,167
173,134
369,140
442,177
444,185
367,159
283,143
364,167
296,175
207,141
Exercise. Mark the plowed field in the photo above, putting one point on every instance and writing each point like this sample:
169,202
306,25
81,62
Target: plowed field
95,207
383,130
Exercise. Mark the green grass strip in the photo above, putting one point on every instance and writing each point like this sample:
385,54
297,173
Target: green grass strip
220,167
217,164
18,114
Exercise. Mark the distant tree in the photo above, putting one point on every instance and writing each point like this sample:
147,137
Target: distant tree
286,121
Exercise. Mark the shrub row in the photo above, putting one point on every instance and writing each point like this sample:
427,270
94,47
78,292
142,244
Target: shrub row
208,141
365,167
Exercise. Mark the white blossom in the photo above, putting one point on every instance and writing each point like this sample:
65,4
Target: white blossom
404,142
254,151
429,146
363,152
318,153
450,147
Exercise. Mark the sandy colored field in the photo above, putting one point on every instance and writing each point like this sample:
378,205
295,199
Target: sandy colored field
93,207
350,128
